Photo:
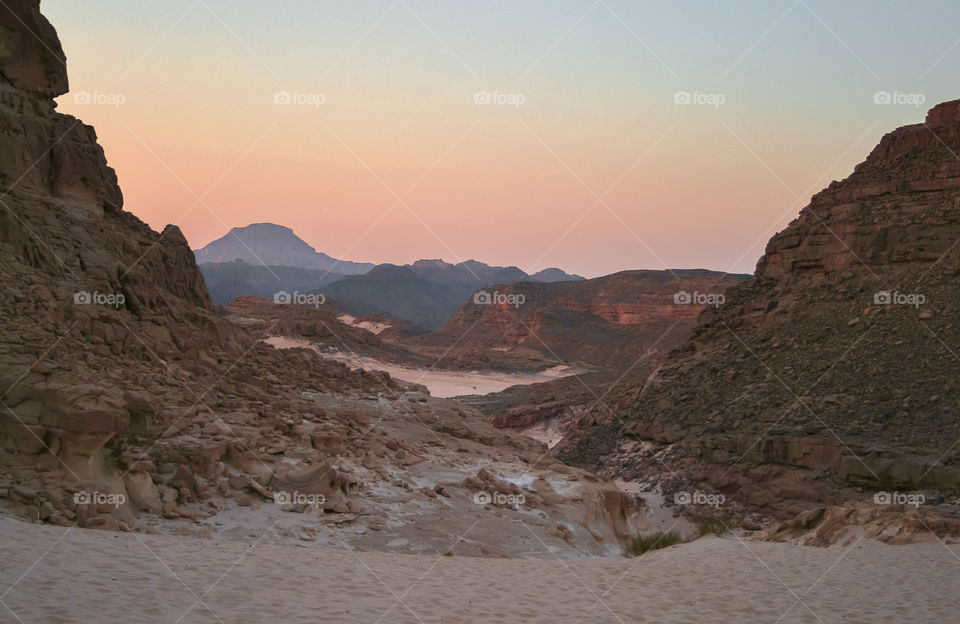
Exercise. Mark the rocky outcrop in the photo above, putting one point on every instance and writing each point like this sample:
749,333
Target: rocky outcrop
896,209
842,524
31,59
836,366
43,154
608,321
320,324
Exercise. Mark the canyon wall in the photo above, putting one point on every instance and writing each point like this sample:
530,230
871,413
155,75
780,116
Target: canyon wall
836,367
609,321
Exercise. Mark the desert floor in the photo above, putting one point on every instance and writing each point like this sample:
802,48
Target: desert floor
52,575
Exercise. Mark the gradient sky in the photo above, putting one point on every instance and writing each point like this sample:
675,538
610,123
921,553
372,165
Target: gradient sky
199,141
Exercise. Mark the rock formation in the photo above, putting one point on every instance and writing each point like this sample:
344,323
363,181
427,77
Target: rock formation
320,325
609,321
835,368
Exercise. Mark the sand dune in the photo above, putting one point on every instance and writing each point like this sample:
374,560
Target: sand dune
71,575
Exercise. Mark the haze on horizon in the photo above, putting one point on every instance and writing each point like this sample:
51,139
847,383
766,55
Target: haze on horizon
183,95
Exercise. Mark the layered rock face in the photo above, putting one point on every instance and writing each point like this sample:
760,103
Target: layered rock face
608,321
44,154
32,58
898,208
836,366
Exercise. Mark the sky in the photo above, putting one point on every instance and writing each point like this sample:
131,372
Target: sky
591,135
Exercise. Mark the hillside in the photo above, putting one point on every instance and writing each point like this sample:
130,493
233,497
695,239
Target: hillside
836,367
425,293
606,322
228,280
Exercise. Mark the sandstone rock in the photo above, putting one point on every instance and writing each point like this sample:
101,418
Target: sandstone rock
946,112
31,58
24,494
142,492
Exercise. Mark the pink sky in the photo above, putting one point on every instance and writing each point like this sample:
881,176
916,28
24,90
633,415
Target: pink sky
682,186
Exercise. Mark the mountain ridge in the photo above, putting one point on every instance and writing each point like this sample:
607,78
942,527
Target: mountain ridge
606,321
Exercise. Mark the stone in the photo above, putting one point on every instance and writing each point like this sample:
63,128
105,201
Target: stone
142,492
31,57
946,112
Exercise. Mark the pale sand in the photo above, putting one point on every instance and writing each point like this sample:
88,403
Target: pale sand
107,578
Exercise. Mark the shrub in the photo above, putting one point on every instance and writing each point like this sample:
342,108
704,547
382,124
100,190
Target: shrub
641,545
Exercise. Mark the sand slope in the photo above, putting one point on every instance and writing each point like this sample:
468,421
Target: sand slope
72,575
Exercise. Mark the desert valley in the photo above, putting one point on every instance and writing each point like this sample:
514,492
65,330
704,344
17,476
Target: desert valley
253,430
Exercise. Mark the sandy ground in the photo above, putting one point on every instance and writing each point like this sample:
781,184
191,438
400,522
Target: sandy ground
374,328
52,575
441,383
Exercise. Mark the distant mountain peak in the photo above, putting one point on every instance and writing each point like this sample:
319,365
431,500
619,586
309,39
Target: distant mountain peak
437,262
267,228
271,244
554,274
265,225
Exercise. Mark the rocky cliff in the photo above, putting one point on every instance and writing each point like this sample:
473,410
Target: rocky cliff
111,346
836,367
